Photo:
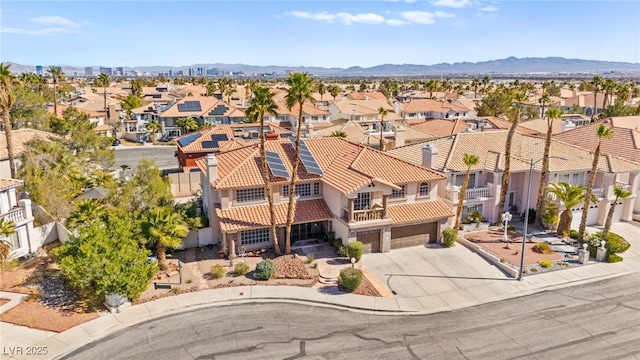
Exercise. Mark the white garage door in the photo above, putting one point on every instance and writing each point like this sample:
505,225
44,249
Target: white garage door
592,217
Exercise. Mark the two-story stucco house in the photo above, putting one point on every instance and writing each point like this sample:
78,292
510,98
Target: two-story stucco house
483,194
23,240
354,191
205,110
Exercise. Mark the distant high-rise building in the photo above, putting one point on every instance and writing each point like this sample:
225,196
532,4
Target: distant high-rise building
170,72
120,71
106,70
190,71
88,71
212,72
39,70
200,71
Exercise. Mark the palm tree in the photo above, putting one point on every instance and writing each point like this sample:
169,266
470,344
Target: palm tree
189,124
474,84
334,90
570,196
104,81
338,133
261,103
596,83
432,86
544,99
6,228
154,126
8,81
602,132
56,76
322,89
382,112
553,113
609,87
224,84
486,81
518,99
469,160
166,229
300,91
88,211
620,193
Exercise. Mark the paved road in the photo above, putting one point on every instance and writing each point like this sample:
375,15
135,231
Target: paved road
163,156
593,321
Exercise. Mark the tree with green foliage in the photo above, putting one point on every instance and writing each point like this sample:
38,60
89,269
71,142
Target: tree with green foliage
338,133
596,85
8,83
87,212
620,193
29,110
334,90
569,196
382,112
104,81
130,103
470,161
619,108
602,132
106,258
321,88
6,228
188,124
300,91
146,189
56,76
553,113
498,103
432,86
165,229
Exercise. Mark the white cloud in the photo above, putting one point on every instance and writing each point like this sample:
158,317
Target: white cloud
370,18
443,14
55,21
396,22
323,16
489,8
453,3
418,17
39,32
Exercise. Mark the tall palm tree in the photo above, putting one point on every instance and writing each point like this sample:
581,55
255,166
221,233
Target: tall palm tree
469,160
8,81
6,228
300,91
87,212
620,193
553,113
382,112
224,84
338,133
596,84
154,126
322,89
334,90
602,132
104,81
262,103
166,229
544,100
609,87
432,86
486,81
569,196
519,98
474,84
56,76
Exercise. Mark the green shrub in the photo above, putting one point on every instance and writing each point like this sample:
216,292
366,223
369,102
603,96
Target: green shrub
545,264
337,243
241,268
331,236
616,244
350,278
342,251
310,259
354,250
511,228
449,237
265,269
573,234
613,258
217,271
542,248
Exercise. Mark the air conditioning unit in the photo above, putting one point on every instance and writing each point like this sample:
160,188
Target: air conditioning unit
254,134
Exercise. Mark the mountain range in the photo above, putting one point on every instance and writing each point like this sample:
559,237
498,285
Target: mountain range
510,65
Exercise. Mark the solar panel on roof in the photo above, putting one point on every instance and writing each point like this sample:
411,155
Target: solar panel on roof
216,138
309,160
184,141
219,110
285,135
209,144
276,165
189,106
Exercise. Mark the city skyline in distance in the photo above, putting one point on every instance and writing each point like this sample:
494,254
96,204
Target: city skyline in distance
314,33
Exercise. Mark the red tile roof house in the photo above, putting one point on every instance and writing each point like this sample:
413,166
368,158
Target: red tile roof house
432,109
355,191
445,155
205,110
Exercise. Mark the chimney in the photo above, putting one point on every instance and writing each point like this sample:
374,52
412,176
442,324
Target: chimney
567,125
112,115
212,167
400,135
397,107
429,156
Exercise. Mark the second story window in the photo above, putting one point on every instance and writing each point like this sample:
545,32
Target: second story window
424,189
246,195
472,180
303,190
362,202
398,194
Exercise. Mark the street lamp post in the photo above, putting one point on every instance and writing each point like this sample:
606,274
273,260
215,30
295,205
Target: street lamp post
506,217
526,211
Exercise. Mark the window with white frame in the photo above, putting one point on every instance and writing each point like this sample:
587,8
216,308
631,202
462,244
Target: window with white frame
467,209
254,236
13,240
316,188
424,189
398,194
246,195
572,179
363,201
460,179
304,190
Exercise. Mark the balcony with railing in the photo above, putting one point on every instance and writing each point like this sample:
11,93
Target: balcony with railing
14,215
598,193
363,215
475,193
624,186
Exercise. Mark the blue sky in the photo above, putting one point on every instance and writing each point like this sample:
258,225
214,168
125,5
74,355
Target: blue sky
314,33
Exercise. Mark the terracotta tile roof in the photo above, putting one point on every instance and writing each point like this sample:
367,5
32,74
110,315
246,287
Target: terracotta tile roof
489,147
102,127
347,166
539,126
625,122
307,109
440,127
20,139
624,143
362,107
6,183
258,216
354,131
373,95
428,105
206,105
420,212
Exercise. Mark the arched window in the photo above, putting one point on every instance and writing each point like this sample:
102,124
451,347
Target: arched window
424,189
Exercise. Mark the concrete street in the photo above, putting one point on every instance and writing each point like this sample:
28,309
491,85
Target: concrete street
594,321
162,155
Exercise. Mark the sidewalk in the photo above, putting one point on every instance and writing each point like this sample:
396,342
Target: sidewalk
487,290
